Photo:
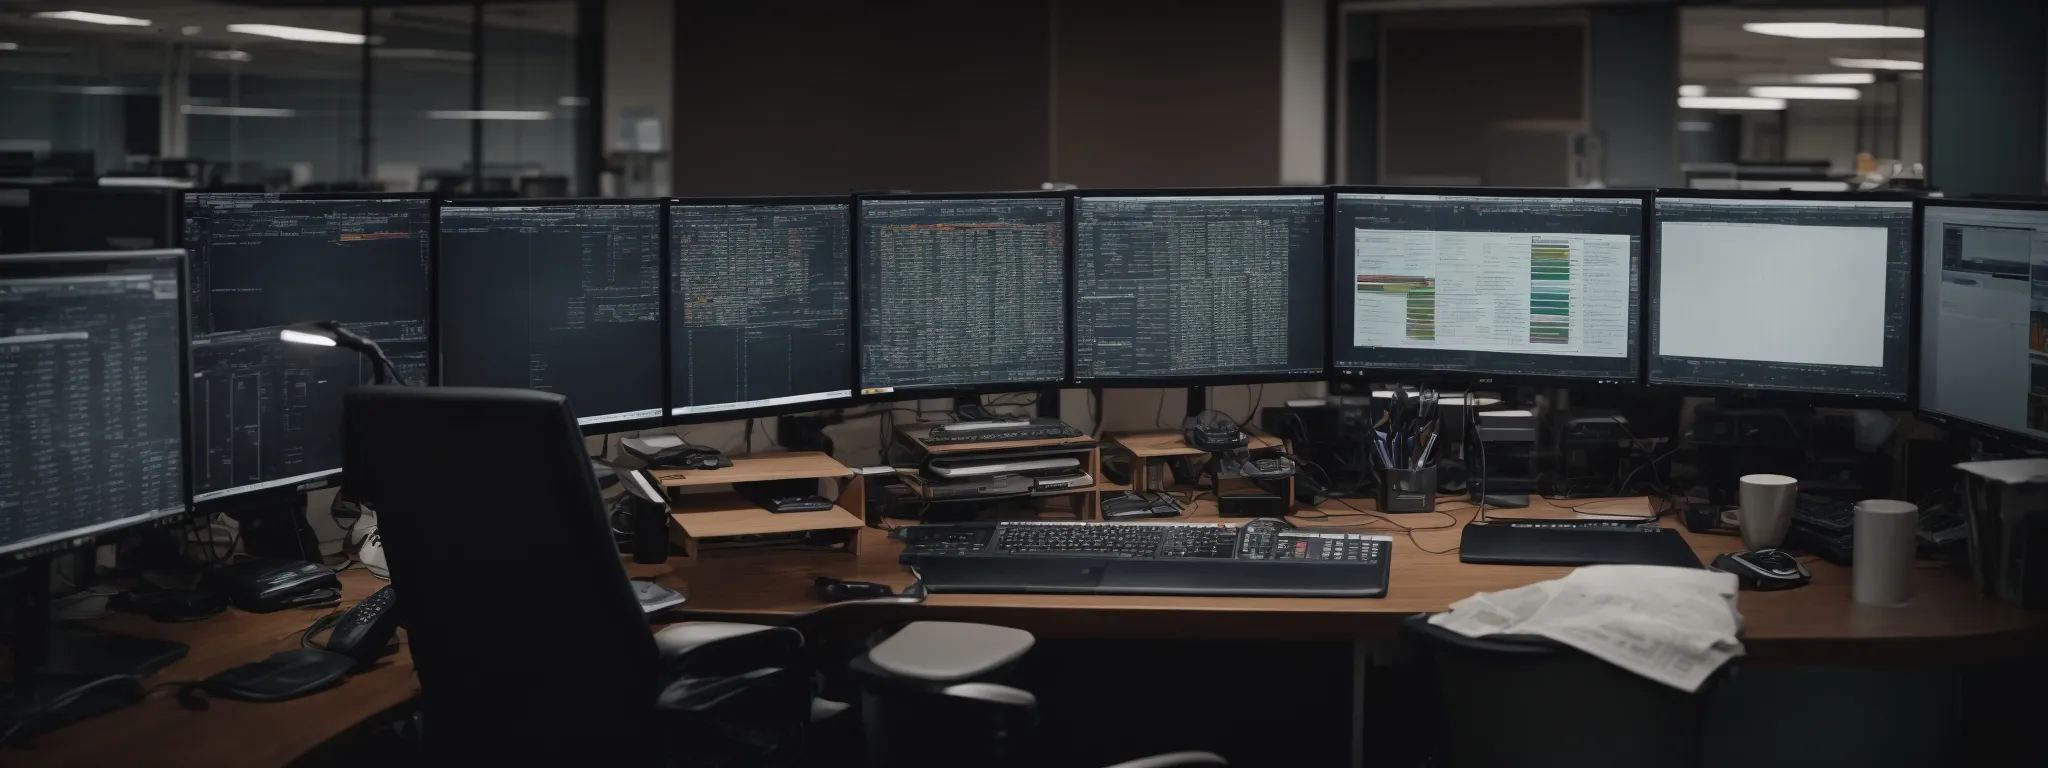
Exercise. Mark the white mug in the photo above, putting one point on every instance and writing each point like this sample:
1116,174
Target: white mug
1768,502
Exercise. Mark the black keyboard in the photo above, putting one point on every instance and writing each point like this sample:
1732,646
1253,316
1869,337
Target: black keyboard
1038,429
1574,543
1262,558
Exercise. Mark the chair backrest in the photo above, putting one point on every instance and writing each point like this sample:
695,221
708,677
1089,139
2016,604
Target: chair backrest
530,645
1528,702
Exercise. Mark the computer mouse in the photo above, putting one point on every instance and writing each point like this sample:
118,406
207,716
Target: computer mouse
1764,570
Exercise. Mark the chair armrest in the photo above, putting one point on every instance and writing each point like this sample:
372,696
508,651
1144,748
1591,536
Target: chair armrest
993,693
1172,759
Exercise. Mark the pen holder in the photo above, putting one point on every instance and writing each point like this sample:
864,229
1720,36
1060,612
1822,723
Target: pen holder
1408,490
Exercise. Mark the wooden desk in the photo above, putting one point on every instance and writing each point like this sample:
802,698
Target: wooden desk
1814,625
159,732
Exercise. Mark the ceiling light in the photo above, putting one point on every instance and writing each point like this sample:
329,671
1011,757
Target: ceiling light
1729,102
197,109
191,30
1825,78
1692,90
489,114
10,46
224,55
1805,92
298,34
1836,78
1899,64
1828,30
573,101
93,18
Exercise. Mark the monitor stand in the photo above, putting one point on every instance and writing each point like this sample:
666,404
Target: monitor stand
51,662
276,527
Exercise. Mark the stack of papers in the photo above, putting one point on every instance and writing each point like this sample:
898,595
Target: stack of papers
1672,625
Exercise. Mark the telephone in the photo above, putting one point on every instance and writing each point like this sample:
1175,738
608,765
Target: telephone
364,632
361,635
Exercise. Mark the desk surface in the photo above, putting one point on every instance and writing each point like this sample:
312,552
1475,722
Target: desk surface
1817,624
158,732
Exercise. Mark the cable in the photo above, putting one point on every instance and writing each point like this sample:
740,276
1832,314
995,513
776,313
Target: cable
1409,529
319,625
1261,397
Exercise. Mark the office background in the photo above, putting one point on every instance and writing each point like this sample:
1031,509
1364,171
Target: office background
659,97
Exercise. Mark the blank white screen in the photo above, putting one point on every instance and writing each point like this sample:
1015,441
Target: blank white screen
1772,292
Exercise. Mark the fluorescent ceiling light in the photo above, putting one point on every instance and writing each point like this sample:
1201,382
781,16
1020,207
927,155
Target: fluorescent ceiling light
302,337
573,101
1898,64
1825,78
1828,30
224,55
191,30
10,46
1836,78
489,114
199,109
299,34
93,18
1805,92
1729,102
1692,90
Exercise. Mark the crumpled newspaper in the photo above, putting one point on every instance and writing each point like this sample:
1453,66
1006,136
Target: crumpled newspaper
1672,625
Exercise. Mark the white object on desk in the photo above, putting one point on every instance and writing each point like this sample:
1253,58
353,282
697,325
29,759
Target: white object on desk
1672,625
1767,503
1883,543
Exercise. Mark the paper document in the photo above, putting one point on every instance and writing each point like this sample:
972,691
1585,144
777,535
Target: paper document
1672,625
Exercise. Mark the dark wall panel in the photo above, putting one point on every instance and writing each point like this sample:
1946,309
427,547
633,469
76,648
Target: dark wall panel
1984,96
1447,90
1634,70
1156,93
805,96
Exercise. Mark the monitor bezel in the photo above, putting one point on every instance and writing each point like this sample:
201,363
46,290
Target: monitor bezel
957,391
1074,377
331,478
150,258
1461,377
853,331
661,218
1921,408
1795,397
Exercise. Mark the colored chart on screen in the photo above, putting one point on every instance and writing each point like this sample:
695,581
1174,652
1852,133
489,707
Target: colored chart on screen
1492,291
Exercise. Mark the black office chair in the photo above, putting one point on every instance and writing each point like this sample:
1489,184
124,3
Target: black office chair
1528,701
530,645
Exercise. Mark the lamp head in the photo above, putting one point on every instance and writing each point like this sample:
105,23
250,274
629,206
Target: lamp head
325,333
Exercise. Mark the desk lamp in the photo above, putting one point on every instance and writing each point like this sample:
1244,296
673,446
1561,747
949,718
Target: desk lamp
328,333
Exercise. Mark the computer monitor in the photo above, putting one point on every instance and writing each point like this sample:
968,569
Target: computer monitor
92,383
1983,321
961,292
760,306
1464,284
266,415
561,296
1188,287
67,218
1804,294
